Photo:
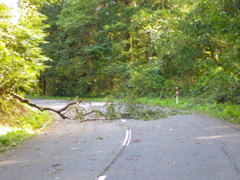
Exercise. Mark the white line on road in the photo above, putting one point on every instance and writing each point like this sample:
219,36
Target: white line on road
101,177
127,138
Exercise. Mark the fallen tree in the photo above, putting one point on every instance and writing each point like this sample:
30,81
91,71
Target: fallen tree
129,111
61,112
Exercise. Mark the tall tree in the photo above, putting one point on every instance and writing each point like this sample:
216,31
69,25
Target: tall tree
21,57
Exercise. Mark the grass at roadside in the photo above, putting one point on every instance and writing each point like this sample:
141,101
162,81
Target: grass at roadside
229,112
24,127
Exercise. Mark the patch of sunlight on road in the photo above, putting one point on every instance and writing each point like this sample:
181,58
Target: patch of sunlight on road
92,104
9,162
216,136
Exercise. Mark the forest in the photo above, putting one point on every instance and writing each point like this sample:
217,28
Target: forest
104,47
99,48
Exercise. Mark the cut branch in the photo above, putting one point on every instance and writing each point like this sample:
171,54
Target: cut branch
41,108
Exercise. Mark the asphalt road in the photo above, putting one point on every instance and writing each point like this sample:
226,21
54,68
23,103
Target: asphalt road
181,147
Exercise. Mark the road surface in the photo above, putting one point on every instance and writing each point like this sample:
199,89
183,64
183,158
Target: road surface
181,147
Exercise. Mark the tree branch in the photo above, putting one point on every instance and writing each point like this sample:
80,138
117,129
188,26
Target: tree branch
41,108
95,111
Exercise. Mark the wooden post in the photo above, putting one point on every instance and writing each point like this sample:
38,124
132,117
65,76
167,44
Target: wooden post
176,95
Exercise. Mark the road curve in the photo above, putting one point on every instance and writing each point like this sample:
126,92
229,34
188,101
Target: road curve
181,147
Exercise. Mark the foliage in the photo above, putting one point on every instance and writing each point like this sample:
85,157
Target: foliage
225,111
147,47
111,112
21,58
135,109
12,139
36,120
22,126
15,114
21,61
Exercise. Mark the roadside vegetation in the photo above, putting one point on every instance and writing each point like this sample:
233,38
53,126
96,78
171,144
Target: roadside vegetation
19,123
225,111
21,61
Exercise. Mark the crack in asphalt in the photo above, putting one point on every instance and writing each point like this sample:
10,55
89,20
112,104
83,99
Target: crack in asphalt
237,170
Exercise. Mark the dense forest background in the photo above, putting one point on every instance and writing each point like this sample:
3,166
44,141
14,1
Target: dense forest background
147,47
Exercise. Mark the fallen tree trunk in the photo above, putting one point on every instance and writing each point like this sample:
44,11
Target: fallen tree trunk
60,112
